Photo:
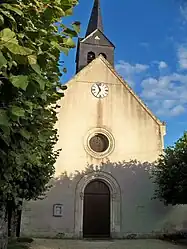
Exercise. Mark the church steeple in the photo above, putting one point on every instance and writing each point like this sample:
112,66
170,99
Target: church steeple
95,19
95,42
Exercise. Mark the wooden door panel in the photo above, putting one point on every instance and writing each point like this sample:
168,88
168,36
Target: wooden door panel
96,218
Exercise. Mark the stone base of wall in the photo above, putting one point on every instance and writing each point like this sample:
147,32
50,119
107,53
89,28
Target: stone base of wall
153,235
49,236
143,235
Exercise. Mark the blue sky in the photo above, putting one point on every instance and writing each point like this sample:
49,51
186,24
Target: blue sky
151,53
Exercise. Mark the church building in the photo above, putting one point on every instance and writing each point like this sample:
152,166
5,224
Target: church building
109,140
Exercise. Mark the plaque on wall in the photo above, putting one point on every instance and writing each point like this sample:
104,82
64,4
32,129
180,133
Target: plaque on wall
57,210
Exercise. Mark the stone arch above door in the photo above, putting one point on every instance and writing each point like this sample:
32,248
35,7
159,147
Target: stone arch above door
115,202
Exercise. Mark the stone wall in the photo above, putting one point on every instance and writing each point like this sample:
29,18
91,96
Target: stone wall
134,214
3,231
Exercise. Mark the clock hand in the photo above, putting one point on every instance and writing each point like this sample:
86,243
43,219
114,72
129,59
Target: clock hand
98,90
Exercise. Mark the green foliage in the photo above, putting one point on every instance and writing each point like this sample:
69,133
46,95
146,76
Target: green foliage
170,174
30,46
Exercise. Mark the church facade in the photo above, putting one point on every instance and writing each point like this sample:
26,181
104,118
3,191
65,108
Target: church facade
109,140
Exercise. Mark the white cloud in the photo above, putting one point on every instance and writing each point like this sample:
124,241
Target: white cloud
183,11
168,103
162,65
129,71
182,57
171,112
166,94
177,110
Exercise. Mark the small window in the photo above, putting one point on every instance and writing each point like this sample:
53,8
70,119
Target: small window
104,55
99,143
90,57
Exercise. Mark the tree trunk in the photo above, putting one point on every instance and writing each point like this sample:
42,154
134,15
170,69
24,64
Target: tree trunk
14,218
18,227
3,229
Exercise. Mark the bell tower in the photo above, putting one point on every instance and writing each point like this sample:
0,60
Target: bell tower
95,41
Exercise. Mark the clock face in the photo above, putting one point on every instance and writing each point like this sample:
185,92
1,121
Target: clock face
99,90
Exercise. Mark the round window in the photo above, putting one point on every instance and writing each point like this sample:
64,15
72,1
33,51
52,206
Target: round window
99,143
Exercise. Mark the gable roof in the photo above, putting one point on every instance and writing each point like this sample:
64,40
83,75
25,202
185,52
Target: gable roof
83,40
110,67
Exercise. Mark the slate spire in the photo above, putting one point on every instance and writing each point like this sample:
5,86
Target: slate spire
95,19
91,46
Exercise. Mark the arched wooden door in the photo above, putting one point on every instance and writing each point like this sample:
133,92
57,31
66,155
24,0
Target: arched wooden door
96,211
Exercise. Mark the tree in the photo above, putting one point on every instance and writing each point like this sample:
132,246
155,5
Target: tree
30,45
170,174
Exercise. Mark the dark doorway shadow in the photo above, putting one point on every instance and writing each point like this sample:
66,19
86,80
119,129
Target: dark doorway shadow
96,214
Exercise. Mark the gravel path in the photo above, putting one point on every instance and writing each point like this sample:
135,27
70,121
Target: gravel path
116,244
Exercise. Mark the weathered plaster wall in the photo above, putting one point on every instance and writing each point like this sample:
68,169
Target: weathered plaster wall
136,134
38,219
139,214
